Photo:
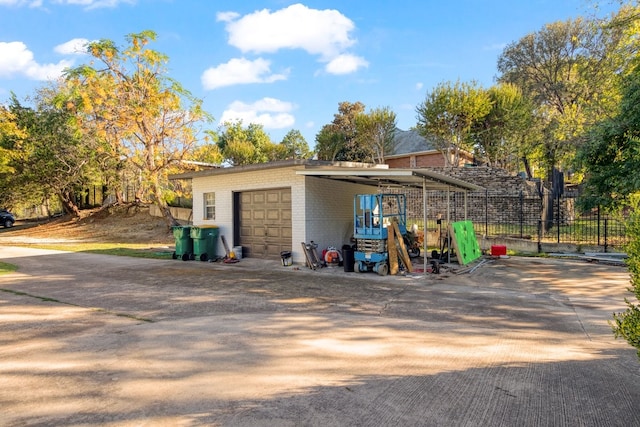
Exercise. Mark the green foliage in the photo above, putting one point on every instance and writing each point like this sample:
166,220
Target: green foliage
449,112
376,129
569,69
611,154
295,146
339,139
505,134
626,325
48,156
6,268
357,136
241,145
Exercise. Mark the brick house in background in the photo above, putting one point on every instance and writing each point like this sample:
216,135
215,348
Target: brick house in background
411,150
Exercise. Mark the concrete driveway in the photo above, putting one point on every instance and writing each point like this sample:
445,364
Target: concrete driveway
114,341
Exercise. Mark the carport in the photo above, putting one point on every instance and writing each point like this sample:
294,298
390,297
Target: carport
380,178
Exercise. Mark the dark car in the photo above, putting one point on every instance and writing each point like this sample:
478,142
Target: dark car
6,218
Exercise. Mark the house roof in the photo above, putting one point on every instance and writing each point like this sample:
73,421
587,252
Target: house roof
410,141
358,173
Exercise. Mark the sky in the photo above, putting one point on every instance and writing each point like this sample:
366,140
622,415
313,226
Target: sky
283,64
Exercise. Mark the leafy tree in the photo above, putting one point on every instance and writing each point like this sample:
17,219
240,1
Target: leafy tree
49,157
339,139
626,325
9,133
448,113
504,135
376,129
569,70
207,153
329,143
295,146
611,155
10,136
141,115
241,145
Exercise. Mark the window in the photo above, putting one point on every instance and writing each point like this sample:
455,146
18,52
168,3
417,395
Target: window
209,205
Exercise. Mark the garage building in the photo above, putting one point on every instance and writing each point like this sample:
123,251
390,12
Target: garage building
272,207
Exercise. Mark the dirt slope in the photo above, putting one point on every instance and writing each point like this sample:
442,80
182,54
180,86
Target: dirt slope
115,224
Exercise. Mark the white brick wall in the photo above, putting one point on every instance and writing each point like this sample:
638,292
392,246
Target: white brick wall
322,211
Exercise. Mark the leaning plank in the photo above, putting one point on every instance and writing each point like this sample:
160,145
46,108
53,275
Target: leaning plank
404,254
393,251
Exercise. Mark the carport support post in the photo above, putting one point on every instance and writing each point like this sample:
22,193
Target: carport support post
448,224
424,219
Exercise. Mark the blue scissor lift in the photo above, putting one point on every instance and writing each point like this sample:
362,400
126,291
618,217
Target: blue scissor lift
373,213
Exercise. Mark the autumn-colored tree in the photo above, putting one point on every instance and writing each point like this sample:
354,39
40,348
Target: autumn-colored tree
10,155
125,99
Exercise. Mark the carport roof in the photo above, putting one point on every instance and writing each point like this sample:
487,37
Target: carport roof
392,177
358,173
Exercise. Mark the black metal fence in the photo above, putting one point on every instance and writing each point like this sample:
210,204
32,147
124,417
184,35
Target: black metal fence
543,219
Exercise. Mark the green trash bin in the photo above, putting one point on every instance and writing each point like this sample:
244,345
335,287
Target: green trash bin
205,242
184,242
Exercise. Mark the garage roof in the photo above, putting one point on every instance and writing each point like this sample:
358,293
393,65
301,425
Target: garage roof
391,177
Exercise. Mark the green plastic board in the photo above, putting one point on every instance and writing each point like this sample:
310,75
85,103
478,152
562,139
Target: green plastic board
465,242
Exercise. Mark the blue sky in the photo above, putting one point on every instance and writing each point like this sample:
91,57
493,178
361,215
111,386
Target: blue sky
283,64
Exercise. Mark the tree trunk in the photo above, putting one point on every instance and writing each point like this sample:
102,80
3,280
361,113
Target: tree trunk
158,200
68,204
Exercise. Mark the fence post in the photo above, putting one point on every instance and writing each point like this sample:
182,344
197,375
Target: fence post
486,212
606,226
521,214
598,212
539,236
558,218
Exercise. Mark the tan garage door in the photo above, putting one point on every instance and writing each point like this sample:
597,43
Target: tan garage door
265,222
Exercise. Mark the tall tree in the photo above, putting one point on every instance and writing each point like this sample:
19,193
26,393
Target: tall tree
295,146
504,134
144,117
569,70
448,114
339,139
242,145
611,156
376,129
49,157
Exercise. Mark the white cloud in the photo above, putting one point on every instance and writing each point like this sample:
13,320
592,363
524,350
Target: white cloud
16,59
419,86
345,64
271,113
240,71
94,4
29,3
325,33
72,47
224,16
88,4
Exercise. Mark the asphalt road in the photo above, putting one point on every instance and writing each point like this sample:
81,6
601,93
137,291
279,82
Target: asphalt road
91,340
